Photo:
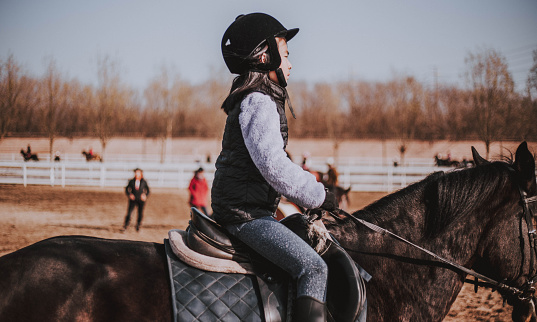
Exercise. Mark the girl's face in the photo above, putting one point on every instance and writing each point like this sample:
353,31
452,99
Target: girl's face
286,64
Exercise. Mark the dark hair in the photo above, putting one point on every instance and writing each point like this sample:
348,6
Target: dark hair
244,85
254,79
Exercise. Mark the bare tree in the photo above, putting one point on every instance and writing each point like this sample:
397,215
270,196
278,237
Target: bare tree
405,110
52,99
27,114
492,90
457,105
531,82
10,89
112,97
401,108
326,103
203,102
530,102
158,96
78,109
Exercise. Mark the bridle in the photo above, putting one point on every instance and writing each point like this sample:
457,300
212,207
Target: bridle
523,293
529,207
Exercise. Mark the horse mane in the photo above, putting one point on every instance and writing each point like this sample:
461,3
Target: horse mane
456,194
447,196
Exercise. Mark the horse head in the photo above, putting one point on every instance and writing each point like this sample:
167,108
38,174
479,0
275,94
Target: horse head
509,252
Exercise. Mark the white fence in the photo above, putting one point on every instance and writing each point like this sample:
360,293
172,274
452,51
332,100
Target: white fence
359,175
96,173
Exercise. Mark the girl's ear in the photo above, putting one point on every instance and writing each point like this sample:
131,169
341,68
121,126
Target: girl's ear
263,58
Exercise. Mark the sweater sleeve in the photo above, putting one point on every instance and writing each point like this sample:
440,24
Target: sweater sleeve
260,126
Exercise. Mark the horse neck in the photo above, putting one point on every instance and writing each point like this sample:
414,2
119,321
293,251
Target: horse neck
456,229
446,218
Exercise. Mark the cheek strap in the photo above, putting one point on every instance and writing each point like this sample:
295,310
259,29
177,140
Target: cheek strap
281,77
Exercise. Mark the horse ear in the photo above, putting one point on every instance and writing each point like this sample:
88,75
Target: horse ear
525,166
477,158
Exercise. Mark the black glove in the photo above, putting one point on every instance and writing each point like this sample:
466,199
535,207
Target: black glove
330,202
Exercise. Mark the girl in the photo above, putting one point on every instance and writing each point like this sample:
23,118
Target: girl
253,168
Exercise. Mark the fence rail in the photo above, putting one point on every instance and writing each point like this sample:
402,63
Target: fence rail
360,176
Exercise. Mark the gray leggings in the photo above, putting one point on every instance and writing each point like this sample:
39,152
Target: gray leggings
284,248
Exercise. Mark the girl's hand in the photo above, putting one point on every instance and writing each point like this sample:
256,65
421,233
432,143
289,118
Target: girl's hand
330,202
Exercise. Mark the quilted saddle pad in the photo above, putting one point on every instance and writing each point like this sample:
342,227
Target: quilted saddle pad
198,295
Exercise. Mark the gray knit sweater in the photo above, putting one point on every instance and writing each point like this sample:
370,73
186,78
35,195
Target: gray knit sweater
260,126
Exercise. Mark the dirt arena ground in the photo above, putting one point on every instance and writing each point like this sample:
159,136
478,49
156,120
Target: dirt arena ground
30,214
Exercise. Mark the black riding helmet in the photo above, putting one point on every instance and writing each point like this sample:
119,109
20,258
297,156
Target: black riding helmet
245,34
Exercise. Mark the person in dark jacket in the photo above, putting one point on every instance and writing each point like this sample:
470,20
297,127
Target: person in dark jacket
253,170
137,190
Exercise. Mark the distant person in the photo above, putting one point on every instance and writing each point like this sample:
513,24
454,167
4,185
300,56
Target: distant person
57,156
137,190
29,151
305,162
199,190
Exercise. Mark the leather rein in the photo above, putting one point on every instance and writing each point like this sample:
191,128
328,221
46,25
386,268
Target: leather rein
524,293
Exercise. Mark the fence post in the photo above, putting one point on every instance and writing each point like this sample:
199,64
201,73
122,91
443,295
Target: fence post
103,172
63,175
24,175
181,176
347,176
390,178
52,174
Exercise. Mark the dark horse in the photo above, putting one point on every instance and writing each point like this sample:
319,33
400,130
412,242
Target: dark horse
29,156
471,217
92,157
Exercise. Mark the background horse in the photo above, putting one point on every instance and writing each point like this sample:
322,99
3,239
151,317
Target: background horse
28,157
471,216
342,194
92,157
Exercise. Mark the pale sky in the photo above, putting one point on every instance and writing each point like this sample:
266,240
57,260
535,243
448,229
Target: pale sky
338,40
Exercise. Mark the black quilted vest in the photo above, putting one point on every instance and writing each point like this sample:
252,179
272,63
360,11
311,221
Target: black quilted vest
239,192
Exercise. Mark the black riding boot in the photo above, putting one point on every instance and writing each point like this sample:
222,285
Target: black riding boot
309,309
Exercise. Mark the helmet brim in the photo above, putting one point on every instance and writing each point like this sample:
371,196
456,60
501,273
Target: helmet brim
288,34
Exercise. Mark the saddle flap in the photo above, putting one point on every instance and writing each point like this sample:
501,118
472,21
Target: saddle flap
346,292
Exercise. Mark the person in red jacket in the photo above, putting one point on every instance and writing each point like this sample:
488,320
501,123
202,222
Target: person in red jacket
199,189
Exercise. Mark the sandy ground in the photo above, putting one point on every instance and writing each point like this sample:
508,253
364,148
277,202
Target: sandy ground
30,214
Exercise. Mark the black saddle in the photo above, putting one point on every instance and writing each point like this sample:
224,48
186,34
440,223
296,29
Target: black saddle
346,288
